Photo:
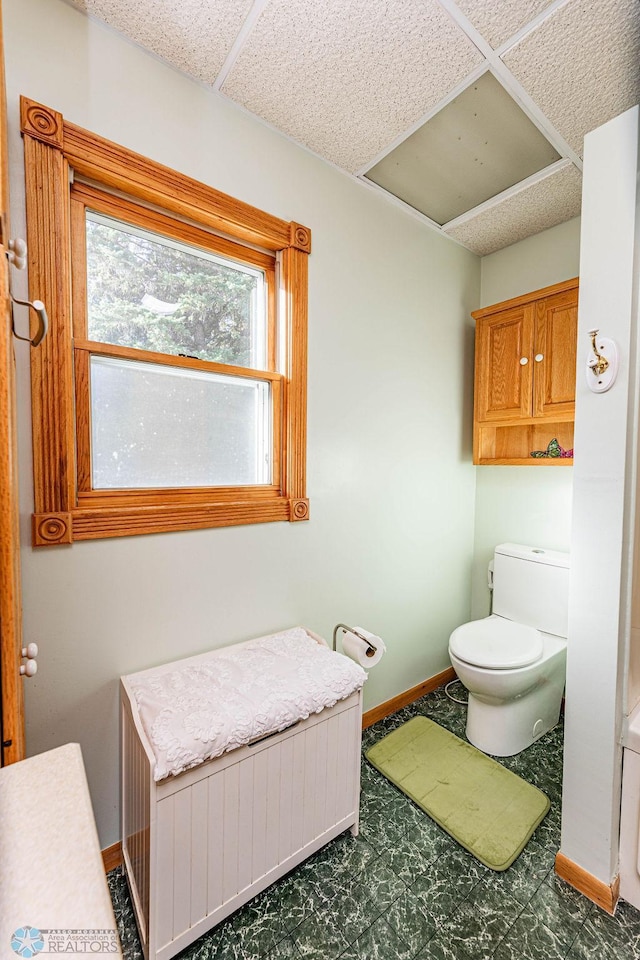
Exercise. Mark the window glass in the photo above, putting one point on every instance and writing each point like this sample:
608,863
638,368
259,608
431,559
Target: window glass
154,293
161,426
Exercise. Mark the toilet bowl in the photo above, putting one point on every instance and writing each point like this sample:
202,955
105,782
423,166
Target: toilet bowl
511,703
513,662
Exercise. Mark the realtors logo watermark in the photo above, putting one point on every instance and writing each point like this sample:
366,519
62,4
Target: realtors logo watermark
29,942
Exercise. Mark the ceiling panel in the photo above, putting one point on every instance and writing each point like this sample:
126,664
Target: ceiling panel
545,204
499,21
582,65
346,77
193,35
353,79
474,148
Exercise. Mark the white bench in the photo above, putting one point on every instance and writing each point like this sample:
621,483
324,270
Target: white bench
198,845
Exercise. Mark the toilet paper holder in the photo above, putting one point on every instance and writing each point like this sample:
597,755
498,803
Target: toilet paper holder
371,650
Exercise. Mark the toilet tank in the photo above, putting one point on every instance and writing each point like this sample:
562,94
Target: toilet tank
531,586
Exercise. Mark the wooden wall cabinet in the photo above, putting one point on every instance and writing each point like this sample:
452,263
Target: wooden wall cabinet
525,377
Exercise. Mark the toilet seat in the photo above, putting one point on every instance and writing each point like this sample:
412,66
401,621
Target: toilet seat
496,643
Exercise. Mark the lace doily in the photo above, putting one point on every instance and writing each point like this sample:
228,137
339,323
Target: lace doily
239,693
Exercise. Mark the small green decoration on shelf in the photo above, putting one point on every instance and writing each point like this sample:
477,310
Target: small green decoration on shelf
553,450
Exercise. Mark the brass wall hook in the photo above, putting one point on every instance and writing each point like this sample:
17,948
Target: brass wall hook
601,370
600,364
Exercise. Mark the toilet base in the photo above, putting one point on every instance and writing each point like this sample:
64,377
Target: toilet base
504,729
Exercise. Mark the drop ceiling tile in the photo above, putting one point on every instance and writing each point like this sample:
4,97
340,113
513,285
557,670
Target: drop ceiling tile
193,35
545,204
474,148
499,21
581,66
345,77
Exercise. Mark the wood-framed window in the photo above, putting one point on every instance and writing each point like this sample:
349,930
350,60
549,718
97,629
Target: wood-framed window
170,393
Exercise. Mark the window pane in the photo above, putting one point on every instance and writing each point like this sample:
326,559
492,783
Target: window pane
151,292
156,426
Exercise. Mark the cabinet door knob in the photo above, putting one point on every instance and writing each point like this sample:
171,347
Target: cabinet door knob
539,357
524,361
29,669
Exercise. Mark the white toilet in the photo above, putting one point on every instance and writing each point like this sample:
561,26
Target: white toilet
513,662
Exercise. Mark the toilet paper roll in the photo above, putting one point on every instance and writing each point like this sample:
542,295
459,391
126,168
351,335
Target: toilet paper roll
354,647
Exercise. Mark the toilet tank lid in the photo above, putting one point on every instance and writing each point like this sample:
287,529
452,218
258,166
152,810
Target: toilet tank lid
553,558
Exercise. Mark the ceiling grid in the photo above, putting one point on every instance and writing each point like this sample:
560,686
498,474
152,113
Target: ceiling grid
507,194
376,78
359,82
550,201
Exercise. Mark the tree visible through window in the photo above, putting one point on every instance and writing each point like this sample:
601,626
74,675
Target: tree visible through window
146,292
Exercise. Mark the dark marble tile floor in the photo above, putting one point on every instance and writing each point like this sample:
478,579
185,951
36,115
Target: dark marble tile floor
404,890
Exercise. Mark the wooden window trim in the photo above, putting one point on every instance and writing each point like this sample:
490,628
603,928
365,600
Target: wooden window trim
120,208
54,149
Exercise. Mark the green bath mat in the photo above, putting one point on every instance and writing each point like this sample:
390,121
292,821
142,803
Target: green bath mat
486,808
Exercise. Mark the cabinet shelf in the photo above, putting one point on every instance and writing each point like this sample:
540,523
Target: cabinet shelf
512,443
531,462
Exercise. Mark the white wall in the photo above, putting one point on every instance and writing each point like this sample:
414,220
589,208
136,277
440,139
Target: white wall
545,258
523,504
604,501
390,479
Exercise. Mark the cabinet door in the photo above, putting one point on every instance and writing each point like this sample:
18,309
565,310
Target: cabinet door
504,364
555,343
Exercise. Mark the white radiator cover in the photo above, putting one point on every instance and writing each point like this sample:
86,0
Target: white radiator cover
199,845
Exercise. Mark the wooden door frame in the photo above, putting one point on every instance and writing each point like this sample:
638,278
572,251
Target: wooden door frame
12,737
